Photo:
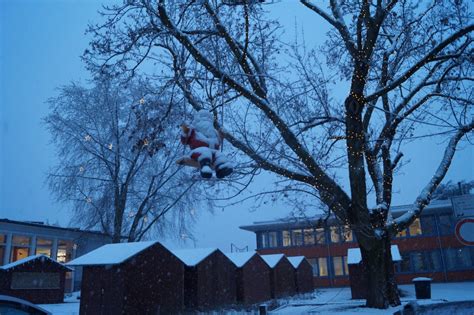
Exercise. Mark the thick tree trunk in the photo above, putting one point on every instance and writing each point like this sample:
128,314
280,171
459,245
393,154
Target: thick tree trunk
382,290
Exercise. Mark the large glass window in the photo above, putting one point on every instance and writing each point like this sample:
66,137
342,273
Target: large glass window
434,260
446,224
428,225
458,258
338,265
415,228
272,239
286,238
20,247
419,261
44,246
297,237
319,266
3,240
308,236
335,236
262,240
405,263
314,265
347,234
65,249
320,236
346,267
323,266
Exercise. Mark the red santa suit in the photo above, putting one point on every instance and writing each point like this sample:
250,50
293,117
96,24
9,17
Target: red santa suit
205,143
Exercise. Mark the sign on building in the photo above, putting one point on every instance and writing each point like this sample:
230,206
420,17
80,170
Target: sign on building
463,206
465,231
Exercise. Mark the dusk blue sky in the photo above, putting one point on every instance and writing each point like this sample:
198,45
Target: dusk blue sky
41,42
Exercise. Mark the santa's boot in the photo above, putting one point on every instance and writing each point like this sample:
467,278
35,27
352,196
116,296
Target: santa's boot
206,170
223,170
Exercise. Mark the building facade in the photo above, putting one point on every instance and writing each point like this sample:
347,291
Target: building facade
428,247
19,239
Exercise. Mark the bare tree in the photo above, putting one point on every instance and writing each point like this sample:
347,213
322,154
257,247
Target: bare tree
394,72
117,148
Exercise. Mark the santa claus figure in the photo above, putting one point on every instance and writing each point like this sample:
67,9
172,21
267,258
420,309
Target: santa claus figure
205,142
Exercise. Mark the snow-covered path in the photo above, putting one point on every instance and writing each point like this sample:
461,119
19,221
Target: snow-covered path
338,300
330,301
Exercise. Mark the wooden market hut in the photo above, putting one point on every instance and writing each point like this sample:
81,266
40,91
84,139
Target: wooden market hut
131,278
303,274
37,279
357,278
252,277
282,275
209,279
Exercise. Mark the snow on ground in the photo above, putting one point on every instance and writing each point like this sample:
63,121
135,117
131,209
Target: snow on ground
328,301
338,300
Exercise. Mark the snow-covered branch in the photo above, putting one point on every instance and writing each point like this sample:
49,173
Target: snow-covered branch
424,197
430,57
338,23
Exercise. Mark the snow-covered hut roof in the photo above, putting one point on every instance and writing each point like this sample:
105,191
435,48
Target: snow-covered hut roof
111,254
240,259
272,260
192,257
28,259
354,256
296,260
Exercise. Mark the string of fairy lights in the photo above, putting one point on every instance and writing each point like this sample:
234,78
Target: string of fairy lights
355,137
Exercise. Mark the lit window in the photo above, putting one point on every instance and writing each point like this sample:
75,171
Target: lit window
323,266
415,228
44,246
308,236
65,249
286,238
297,237
402,233
20,247
263,240
272,239
335,236
320,237
338,266
346,267
347,234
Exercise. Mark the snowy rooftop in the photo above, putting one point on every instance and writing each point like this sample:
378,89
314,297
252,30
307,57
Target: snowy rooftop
272,260
301,222
240,259
111,254
296,260
354,255
192,257
28,259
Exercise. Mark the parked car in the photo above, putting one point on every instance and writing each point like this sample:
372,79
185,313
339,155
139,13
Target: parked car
10,305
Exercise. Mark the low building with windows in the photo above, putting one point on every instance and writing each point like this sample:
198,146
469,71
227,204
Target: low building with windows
429,247
20,239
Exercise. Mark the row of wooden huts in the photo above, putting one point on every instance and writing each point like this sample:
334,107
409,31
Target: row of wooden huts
148,278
